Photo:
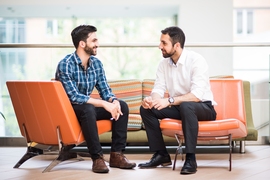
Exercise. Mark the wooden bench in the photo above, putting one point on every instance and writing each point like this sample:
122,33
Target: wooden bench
45,116
229,124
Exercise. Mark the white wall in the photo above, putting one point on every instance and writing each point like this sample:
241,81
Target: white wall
209,21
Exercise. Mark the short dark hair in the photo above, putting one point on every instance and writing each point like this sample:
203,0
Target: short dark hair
176,34
80,33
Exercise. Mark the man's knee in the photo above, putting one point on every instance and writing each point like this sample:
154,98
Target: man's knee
143,111
186,106
186,110
124,106
84,112
88,108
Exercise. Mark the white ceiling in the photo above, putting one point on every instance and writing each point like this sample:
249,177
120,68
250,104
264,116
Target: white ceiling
83,8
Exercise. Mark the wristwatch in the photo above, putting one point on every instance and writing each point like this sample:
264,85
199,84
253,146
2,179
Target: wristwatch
171,100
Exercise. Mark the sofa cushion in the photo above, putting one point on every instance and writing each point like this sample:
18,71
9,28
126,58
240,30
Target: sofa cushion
129,91
147,86
134,122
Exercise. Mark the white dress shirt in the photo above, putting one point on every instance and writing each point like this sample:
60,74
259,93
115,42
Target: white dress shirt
188,75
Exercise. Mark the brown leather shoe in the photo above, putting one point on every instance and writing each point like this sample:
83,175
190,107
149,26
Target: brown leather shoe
117,159
99,166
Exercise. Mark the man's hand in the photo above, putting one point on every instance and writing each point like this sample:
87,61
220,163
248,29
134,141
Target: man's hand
147,102
119,112
160,103
114,108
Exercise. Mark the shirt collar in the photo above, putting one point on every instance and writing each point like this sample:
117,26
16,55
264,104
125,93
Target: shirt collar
77,58
79,61
181,59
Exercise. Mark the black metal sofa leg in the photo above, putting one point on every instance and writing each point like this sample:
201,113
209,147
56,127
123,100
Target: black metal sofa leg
64,155
31,152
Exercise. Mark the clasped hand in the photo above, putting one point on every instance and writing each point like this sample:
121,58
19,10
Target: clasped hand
158,104
115,110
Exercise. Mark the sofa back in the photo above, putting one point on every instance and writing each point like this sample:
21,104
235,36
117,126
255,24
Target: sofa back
147,86
129,91
132,92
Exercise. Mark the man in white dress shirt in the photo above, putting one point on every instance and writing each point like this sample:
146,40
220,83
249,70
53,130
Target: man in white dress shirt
184,74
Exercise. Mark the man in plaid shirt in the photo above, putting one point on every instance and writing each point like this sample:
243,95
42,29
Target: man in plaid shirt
79,73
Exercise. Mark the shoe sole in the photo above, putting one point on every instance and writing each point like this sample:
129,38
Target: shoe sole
149,167
188,172
124,167
166,164
129,167
103,171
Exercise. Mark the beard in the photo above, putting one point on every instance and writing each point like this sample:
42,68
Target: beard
90,51
168,54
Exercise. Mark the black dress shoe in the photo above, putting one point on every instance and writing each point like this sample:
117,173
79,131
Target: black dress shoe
190,167
157,160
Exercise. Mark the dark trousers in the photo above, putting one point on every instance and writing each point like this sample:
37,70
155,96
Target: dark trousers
87,115
188,112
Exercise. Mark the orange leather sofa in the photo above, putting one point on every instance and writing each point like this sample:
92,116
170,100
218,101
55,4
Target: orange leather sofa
134,90
229,124
45,116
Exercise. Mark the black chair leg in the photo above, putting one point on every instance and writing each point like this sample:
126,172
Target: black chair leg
31,152
230,153
64,154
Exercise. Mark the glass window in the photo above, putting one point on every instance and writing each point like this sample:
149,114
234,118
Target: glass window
244,21
12,62
12,31
239,22
249,22
52,27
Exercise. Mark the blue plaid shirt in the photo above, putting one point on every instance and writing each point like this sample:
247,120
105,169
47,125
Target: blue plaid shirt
79,83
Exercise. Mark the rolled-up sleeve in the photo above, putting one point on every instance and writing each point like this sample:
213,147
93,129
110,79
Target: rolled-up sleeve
200,79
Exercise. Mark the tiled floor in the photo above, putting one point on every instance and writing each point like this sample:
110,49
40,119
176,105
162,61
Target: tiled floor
212,164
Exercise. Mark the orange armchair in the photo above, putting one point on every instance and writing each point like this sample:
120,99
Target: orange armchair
45,116
230,122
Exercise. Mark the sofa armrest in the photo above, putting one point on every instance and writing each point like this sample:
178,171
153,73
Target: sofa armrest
252,132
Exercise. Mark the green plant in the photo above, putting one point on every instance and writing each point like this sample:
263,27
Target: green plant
3,115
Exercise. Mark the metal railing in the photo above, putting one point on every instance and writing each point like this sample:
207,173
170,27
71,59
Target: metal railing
129,45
